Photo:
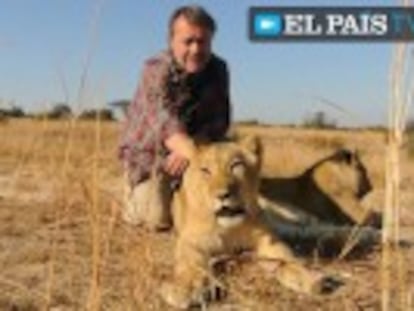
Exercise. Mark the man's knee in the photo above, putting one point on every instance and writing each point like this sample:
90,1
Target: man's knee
148,203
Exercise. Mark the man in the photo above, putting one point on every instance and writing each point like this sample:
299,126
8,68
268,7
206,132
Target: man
183,97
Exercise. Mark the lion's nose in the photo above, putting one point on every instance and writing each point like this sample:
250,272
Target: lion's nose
227,193
224,195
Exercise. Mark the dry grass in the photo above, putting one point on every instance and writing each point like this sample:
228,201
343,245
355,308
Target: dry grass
63,246
395,293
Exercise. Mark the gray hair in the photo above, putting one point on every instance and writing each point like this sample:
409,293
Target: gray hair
196,15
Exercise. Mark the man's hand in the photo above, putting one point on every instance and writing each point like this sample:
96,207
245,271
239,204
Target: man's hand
181,149
175,164
181,144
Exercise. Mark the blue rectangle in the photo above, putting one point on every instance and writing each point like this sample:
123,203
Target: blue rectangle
267,24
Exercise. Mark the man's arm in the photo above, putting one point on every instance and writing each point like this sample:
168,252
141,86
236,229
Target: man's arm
152,122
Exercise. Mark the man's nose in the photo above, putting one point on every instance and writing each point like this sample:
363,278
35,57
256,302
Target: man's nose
196,48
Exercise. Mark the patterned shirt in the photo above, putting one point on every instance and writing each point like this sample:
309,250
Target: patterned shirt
169,101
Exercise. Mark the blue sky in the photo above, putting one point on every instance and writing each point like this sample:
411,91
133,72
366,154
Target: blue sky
45,42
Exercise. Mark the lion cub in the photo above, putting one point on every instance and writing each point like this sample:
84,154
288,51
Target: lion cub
215,213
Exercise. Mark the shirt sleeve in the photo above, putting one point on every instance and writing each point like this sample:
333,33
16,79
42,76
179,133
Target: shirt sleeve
152,115
162,108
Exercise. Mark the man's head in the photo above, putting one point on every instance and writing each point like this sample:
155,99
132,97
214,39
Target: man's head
191,30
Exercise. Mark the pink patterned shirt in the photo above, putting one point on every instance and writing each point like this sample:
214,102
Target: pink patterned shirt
168,101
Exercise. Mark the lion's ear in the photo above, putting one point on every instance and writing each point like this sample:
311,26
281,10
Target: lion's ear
253,145
348,156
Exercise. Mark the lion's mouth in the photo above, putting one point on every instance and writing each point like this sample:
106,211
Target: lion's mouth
227,211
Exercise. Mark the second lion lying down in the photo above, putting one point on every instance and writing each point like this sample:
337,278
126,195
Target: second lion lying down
216,213
330,191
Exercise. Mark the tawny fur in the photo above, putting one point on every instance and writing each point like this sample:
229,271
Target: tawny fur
216,212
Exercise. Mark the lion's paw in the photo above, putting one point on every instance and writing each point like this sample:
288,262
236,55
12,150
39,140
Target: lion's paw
325,284
184,298
176,296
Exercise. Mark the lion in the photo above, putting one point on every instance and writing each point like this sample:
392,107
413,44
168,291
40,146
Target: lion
216,213
330,191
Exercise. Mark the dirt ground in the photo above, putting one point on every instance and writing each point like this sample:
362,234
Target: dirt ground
64,247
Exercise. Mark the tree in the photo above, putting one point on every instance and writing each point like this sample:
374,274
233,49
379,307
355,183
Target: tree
121,104
92,114
59,111
15,112
319,120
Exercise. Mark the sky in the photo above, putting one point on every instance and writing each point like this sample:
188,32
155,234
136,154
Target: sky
49,48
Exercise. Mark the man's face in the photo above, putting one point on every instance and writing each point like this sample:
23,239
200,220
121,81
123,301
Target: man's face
190,45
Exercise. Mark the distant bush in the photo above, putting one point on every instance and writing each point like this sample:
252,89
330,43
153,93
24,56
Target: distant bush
3,117
248,122
121,104
102,114
13,112
319,120
59,111
375,128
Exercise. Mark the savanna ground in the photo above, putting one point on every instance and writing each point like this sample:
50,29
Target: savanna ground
63,245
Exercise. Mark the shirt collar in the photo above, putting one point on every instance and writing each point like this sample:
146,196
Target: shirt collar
178,74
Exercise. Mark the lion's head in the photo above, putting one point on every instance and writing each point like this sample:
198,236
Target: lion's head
347,171
343,181
331,189
222,181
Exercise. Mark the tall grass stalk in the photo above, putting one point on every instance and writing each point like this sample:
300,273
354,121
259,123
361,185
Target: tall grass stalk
394,292
93,302
94,292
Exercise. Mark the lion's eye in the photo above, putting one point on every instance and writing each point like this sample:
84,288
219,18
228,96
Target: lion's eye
206,171
238,167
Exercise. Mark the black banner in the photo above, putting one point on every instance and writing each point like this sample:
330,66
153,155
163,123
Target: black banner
324,24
